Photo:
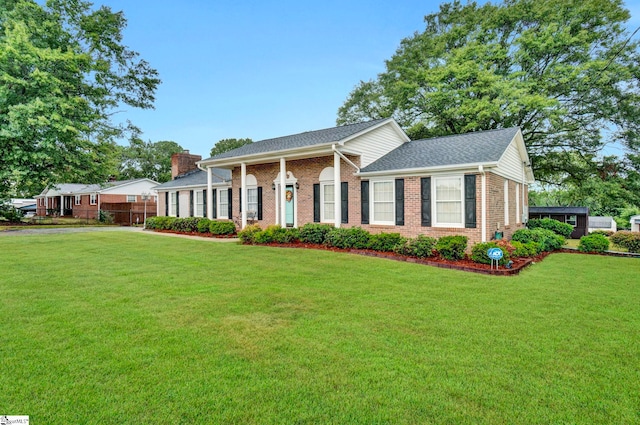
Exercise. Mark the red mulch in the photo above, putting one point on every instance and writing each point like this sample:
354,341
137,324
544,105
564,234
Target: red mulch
464,265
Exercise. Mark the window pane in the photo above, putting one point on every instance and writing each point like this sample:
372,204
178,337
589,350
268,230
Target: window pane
383,207
252,200
223,203
448,200
329,202
449,212
449,189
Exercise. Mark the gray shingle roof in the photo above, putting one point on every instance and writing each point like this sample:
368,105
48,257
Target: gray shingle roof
558,210
196,178
299,140
470,148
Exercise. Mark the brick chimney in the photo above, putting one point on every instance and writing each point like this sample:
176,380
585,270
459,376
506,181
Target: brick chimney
182,163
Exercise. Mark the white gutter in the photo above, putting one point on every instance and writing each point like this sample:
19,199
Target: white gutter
418,171
483,202
205,170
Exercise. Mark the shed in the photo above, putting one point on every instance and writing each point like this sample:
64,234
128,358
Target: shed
606,223
575,216
635,223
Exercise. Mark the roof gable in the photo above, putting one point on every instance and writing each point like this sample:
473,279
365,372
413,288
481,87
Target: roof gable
300,140
479,147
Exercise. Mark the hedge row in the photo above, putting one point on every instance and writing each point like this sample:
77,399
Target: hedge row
191,224
557,227
538,239
451,247
627,239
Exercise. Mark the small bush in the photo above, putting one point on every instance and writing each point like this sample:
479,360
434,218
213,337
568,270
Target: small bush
386,242
522,235
421,246
314,232
555,226
186,224
222,227
479,253
203,225
10,213
627,239
159,223
452,247
287,235
528,249
593,243
547,239
606,233
354,237
247,235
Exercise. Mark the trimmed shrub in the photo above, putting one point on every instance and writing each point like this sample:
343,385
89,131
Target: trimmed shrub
606,233
203,225
593,243
247,235
452,247
627,239
421,246
222,227
287,235
314,232
528,249
479,253
186,224
347,238
160,223
546,239
555,226
386,242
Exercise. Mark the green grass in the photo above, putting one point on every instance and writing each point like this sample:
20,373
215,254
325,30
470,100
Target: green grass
136,328
574,243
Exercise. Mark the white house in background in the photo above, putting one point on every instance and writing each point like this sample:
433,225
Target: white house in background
602,223
635,223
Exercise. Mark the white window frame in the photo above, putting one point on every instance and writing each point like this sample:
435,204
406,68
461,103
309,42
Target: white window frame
93,199
173,201
198,199
373,202
327,206
219,199
252,201
506,202
435,201
77,200
129,197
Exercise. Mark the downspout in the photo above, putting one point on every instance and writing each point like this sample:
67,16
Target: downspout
483,203
524,218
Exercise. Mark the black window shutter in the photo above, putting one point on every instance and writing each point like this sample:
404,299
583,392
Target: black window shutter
316,203
425,201
214,210
230,210
191,203
364,201
344,194
177,203
470,201
204,203
240,199
166,203
259,202
399,202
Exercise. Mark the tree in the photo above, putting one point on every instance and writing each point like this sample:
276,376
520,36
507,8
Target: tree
63,73
566,72
226,145
148,160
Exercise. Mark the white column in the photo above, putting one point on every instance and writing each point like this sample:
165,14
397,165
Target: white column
283,195
484,205
243,185
61,205
337,190
209,194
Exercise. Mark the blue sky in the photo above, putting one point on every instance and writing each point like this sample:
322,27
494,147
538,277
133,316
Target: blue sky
236,69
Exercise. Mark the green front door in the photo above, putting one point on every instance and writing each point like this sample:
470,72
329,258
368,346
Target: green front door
289,206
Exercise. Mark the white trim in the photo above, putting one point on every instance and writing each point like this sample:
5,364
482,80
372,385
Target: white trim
506,202
410,172
209,193
337,190
243,191
219,198
434,201
518,218
372,202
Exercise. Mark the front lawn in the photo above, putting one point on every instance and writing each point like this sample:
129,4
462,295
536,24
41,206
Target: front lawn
139,328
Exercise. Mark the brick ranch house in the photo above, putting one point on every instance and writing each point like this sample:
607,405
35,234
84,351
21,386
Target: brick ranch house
85,200
185,195
372,175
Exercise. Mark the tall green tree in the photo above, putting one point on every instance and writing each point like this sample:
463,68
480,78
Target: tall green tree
63,73
226,145
148,160
566,72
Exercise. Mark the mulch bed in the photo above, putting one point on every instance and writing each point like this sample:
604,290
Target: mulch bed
464,265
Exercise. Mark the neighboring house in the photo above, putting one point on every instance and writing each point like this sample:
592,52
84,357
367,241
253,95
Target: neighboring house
602,223
186,194
84,201
575,216
635,223
22,202
372,175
